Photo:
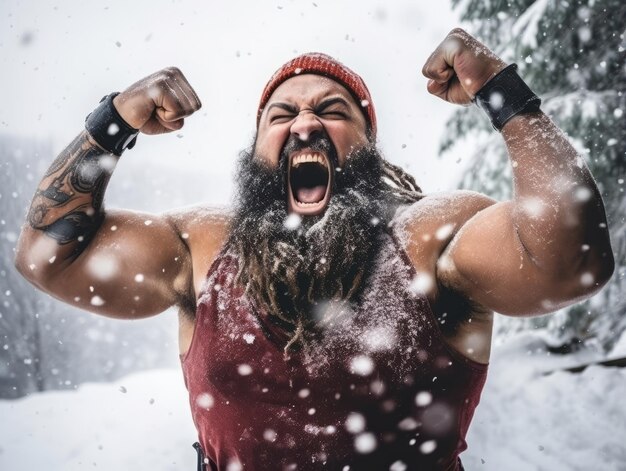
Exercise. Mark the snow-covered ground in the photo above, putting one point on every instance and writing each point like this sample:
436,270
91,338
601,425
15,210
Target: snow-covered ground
531,421
141,422
526,421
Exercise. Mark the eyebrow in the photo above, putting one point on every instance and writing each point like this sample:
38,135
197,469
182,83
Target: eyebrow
330,102
321,107
284,106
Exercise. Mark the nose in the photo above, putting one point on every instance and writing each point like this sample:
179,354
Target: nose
306,125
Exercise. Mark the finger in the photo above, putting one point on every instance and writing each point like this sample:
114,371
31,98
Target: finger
182,84
175,96
169,124
154,126
451,91
182,89
174,104
189,92
437,67
440,62
196,97
438,89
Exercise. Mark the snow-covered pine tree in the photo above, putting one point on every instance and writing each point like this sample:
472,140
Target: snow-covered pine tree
573,55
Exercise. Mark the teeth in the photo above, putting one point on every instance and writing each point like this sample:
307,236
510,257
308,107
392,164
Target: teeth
304,158
300,203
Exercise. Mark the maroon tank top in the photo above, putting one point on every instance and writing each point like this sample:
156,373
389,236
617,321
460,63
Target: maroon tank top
379,390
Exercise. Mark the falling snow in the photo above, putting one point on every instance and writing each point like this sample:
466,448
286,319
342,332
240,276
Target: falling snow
244,369
292,222
407,424
102,266
496,100
423,398
97,301
365,443
362,365
587,279
428,447
355,423
205,401
270,435
422,284
533,206
444,231
398,466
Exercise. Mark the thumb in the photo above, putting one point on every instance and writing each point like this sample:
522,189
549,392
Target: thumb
173,124
167,115
436,88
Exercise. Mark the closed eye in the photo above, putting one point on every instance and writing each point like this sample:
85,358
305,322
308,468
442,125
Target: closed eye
334,114
333,108
281,113
282,118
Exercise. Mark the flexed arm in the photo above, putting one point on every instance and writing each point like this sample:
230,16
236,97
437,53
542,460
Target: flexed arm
119,263
549,246
67,206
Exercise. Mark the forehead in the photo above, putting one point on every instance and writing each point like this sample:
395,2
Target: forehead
307,88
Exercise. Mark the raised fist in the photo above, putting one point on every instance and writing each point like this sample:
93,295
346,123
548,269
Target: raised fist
158,103
459,67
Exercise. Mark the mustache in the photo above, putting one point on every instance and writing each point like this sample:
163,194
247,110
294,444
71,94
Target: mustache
319,142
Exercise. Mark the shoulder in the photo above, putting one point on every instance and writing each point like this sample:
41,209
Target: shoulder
425,229
438,217
204,230
199,222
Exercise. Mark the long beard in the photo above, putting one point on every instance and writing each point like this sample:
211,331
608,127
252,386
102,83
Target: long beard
291,268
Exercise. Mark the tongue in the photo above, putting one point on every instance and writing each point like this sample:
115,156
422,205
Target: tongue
311,195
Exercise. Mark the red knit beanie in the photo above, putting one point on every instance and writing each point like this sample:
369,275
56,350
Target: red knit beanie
322,64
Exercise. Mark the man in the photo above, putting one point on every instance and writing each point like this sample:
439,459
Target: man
338,318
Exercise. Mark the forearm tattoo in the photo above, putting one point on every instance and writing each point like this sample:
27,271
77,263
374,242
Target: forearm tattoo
68,203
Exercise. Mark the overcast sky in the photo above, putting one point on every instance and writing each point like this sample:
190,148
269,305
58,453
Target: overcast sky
59,58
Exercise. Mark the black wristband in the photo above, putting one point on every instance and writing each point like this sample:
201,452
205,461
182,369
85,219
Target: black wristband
506,95
108,129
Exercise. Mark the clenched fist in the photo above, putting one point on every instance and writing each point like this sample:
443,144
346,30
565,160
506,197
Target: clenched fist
158,103
459,67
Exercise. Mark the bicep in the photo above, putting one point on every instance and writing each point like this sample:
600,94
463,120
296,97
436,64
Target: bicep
488,263
135,266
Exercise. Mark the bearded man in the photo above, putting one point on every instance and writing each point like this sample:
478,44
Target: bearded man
338,318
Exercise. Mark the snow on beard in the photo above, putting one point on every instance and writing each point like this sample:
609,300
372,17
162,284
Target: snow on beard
291,268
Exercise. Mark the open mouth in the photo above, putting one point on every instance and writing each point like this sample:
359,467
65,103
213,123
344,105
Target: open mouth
309,181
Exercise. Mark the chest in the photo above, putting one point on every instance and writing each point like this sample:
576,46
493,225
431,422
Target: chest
363,373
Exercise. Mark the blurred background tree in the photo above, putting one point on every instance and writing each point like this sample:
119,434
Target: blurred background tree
572,54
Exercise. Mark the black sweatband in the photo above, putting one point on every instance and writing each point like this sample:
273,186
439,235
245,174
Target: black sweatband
108,129
506,95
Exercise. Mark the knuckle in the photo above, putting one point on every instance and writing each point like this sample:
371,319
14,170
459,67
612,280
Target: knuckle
172,71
